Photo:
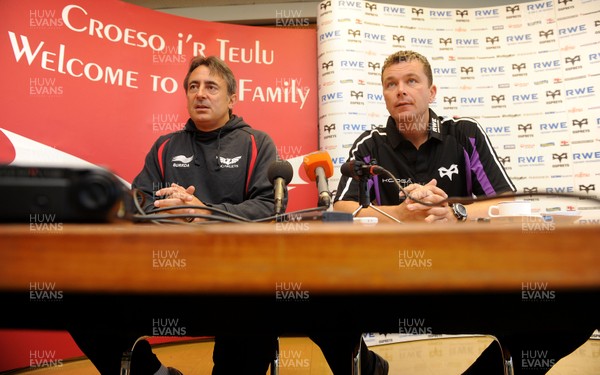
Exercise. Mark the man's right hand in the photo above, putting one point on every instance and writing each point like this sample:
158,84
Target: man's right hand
176,195
430,193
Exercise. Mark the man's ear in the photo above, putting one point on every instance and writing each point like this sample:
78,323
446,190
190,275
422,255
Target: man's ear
432,93
232,100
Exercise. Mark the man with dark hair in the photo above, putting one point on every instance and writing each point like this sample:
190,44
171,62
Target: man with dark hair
219,162
433,156
222,159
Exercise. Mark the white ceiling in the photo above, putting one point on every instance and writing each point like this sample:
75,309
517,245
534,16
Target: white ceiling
263,12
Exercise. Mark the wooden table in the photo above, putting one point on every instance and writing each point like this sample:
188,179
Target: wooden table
511,281
471,278
323,257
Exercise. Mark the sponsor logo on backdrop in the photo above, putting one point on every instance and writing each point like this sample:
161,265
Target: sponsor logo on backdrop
573,63
505,162
466,42
530,98
374,68
445,72
542,6
445,44
586,157
325,66
587,188
330,35
553,94
354,36
580,126
472,101
498,130
520,68
491,42
500,101
355,128
394,10
375,98
332,97
546,36
532,160
356,96
466,72
492,70
352,65
559,158
512,11
440,14
553,127
462,15
327,131
324,5
398,40
417,14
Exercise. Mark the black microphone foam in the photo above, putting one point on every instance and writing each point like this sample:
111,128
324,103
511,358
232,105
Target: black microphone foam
280,169
357,169
347,169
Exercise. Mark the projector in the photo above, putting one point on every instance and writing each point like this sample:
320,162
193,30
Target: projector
59,195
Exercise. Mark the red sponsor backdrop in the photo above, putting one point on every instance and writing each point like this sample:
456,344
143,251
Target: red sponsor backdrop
100,81
97,82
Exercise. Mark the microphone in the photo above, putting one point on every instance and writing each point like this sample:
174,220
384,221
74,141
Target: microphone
319,167
280,173
357,169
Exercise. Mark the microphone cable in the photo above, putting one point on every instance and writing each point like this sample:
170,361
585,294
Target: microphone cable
155,216
290,214
467,200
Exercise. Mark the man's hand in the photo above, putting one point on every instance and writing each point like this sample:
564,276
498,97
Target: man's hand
176,195
428,193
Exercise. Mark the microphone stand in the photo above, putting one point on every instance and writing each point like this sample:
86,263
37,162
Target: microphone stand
365,200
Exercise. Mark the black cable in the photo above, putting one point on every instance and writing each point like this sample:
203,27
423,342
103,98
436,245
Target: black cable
279,216
208,208
153,215
228,216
